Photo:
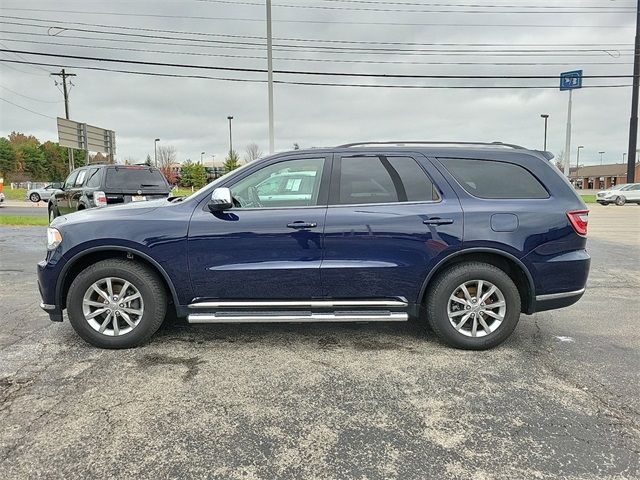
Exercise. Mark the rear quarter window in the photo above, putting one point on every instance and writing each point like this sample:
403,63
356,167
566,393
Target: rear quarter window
495,180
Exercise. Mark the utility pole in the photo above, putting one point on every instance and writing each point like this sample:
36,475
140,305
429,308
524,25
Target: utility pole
270,75
64,75
633,122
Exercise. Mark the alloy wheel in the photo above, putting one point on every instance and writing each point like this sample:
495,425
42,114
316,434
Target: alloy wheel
113,306
476,308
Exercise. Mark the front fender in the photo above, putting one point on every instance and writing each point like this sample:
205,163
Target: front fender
78,254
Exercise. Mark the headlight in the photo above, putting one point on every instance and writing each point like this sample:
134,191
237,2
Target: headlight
53,238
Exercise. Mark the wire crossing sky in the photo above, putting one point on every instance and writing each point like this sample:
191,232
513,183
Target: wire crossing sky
345,70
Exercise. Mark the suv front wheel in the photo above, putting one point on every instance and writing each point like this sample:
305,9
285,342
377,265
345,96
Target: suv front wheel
473,306
116,303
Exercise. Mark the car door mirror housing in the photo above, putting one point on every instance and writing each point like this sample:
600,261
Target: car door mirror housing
220,200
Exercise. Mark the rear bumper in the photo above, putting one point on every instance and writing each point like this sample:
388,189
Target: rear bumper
560,280
557,300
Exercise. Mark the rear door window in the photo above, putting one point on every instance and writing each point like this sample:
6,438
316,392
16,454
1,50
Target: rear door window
495,180
382,179
93,178
132,179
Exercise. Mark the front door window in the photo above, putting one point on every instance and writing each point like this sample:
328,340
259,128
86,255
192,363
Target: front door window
291,183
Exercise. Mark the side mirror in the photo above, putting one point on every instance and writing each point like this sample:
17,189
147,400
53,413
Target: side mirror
220,200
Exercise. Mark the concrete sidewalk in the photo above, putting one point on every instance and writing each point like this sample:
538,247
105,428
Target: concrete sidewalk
24,203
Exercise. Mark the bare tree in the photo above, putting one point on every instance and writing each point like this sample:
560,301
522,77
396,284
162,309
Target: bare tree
166,158
253,152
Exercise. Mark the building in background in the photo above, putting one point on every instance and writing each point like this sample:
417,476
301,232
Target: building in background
601,177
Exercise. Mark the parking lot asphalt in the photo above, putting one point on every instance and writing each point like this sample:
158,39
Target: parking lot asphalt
560,399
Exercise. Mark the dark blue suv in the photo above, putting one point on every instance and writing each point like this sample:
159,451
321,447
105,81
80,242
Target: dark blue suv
463,236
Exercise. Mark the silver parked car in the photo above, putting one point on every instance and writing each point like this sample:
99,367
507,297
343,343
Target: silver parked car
44,193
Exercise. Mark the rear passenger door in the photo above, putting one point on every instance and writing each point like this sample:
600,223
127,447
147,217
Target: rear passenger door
62,196
391,218
75,192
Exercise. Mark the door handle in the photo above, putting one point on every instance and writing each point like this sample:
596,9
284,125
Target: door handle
300,224
438,221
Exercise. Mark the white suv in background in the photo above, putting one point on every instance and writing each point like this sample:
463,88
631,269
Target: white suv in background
620,194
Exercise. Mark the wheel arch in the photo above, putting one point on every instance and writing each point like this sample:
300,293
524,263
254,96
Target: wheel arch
511,265
92,255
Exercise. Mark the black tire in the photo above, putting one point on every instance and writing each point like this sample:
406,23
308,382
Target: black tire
604,203
620,201
145,280
448,282
34,197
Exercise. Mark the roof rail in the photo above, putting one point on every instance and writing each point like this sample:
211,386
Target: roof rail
414,142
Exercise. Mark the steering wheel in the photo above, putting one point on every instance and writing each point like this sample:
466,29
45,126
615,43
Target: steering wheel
252,200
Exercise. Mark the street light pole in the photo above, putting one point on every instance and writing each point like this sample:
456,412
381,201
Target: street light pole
201,158
624,154
601,153
578,159
633,121
230,117
270,75
546,117
155,151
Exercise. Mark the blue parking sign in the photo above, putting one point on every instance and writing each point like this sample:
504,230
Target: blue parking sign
571,80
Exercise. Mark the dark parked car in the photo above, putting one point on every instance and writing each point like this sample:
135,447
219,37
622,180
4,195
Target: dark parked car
103,185
464,237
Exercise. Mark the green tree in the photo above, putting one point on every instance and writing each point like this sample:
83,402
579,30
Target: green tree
187,174
34,164
8,159
231,162
79,158
56,159
199,175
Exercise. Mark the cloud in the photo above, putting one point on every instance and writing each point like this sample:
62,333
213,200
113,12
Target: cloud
191,114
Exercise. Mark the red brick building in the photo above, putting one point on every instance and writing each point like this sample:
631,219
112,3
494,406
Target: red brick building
601,177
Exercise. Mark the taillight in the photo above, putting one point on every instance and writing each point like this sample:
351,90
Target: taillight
579,220
100,199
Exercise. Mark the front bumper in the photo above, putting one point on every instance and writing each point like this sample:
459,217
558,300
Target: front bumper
47,288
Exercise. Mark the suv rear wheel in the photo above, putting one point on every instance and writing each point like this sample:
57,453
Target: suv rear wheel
473,306
116,304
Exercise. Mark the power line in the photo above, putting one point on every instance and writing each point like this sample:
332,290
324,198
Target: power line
436,8
477,9
317,60
300,72
339,50
27,97
615,53
397,24
254,37
25,108
322,84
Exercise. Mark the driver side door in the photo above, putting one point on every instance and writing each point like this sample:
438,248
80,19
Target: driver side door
269,245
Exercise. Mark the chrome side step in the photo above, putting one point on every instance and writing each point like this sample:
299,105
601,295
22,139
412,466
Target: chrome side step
299,303
282,317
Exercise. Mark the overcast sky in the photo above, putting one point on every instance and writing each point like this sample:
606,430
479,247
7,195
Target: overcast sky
191,114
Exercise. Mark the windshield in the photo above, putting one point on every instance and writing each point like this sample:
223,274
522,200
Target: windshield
135,178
